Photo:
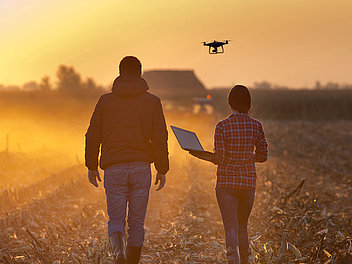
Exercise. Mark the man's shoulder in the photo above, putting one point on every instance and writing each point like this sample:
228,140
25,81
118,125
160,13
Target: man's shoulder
152,97
105,97
146,97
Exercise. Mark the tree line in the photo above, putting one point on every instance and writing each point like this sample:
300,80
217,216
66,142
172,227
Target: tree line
68,81
264,85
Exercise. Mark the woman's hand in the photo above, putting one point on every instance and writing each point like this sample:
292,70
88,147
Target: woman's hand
203,155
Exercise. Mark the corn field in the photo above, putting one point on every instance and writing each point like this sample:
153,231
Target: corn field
302,211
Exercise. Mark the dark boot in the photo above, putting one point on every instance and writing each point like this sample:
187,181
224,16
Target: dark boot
133,254
117,241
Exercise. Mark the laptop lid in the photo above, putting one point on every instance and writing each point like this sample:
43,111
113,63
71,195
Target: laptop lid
188,140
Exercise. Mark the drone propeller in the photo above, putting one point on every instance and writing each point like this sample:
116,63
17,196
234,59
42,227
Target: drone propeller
226,40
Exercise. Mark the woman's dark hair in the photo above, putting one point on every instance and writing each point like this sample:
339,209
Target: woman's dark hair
130,65
240,99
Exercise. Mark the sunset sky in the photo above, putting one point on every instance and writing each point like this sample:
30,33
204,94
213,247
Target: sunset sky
290,43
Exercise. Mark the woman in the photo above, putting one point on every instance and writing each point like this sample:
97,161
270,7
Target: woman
239,143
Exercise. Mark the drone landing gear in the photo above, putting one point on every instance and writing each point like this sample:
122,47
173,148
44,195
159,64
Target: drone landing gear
214,50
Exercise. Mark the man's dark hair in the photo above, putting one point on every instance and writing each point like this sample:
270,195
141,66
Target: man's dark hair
240,99
131,66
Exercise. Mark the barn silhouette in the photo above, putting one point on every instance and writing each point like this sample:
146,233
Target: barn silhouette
170,83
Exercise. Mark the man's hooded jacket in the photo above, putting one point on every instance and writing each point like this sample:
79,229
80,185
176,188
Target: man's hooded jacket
129,125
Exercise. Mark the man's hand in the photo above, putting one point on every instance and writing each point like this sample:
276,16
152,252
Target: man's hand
160,178
92,177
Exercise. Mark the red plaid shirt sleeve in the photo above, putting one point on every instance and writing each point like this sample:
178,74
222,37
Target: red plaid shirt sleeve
261,147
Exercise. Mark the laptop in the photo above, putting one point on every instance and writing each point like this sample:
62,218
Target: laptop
188,140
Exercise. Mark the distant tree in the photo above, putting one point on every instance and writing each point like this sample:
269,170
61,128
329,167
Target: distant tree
332,86
68,79
264,85
318,85
280,87
30,86
346,86
13,88
90,85
45,84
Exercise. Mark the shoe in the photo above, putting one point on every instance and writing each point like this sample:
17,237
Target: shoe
117,241
133,254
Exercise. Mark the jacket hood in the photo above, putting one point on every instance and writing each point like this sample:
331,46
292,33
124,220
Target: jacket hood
129,86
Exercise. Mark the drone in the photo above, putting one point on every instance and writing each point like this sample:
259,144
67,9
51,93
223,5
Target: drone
215,45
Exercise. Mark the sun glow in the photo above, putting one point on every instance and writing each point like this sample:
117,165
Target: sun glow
271,40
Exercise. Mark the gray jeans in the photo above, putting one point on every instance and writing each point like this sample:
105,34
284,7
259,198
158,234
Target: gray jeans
128,184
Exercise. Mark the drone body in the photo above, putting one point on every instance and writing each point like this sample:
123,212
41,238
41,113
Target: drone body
216,47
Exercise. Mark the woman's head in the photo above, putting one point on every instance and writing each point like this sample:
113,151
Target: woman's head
240,99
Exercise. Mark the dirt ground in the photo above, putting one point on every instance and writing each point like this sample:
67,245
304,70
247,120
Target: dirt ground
302,211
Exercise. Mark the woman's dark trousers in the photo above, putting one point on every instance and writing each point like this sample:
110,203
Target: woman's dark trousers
235,207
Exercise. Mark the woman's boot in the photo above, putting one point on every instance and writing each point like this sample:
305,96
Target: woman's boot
133,254
117,241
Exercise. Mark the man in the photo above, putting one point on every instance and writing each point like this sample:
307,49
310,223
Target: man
129,125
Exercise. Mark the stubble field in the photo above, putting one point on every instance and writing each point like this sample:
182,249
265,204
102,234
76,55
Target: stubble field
49,213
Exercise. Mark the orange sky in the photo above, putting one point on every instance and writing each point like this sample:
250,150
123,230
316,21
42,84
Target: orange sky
291,43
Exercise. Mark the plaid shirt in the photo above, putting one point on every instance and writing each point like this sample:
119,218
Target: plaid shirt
239,143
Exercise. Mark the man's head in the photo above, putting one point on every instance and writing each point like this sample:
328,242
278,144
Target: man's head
130,66
240,99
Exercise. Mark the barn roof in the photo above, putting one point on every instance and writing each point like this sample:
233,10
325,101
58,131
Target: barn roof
173,82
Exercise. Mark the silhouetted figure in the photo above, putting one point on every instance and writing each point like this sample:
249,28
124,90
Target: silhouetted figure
239,143
129,125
